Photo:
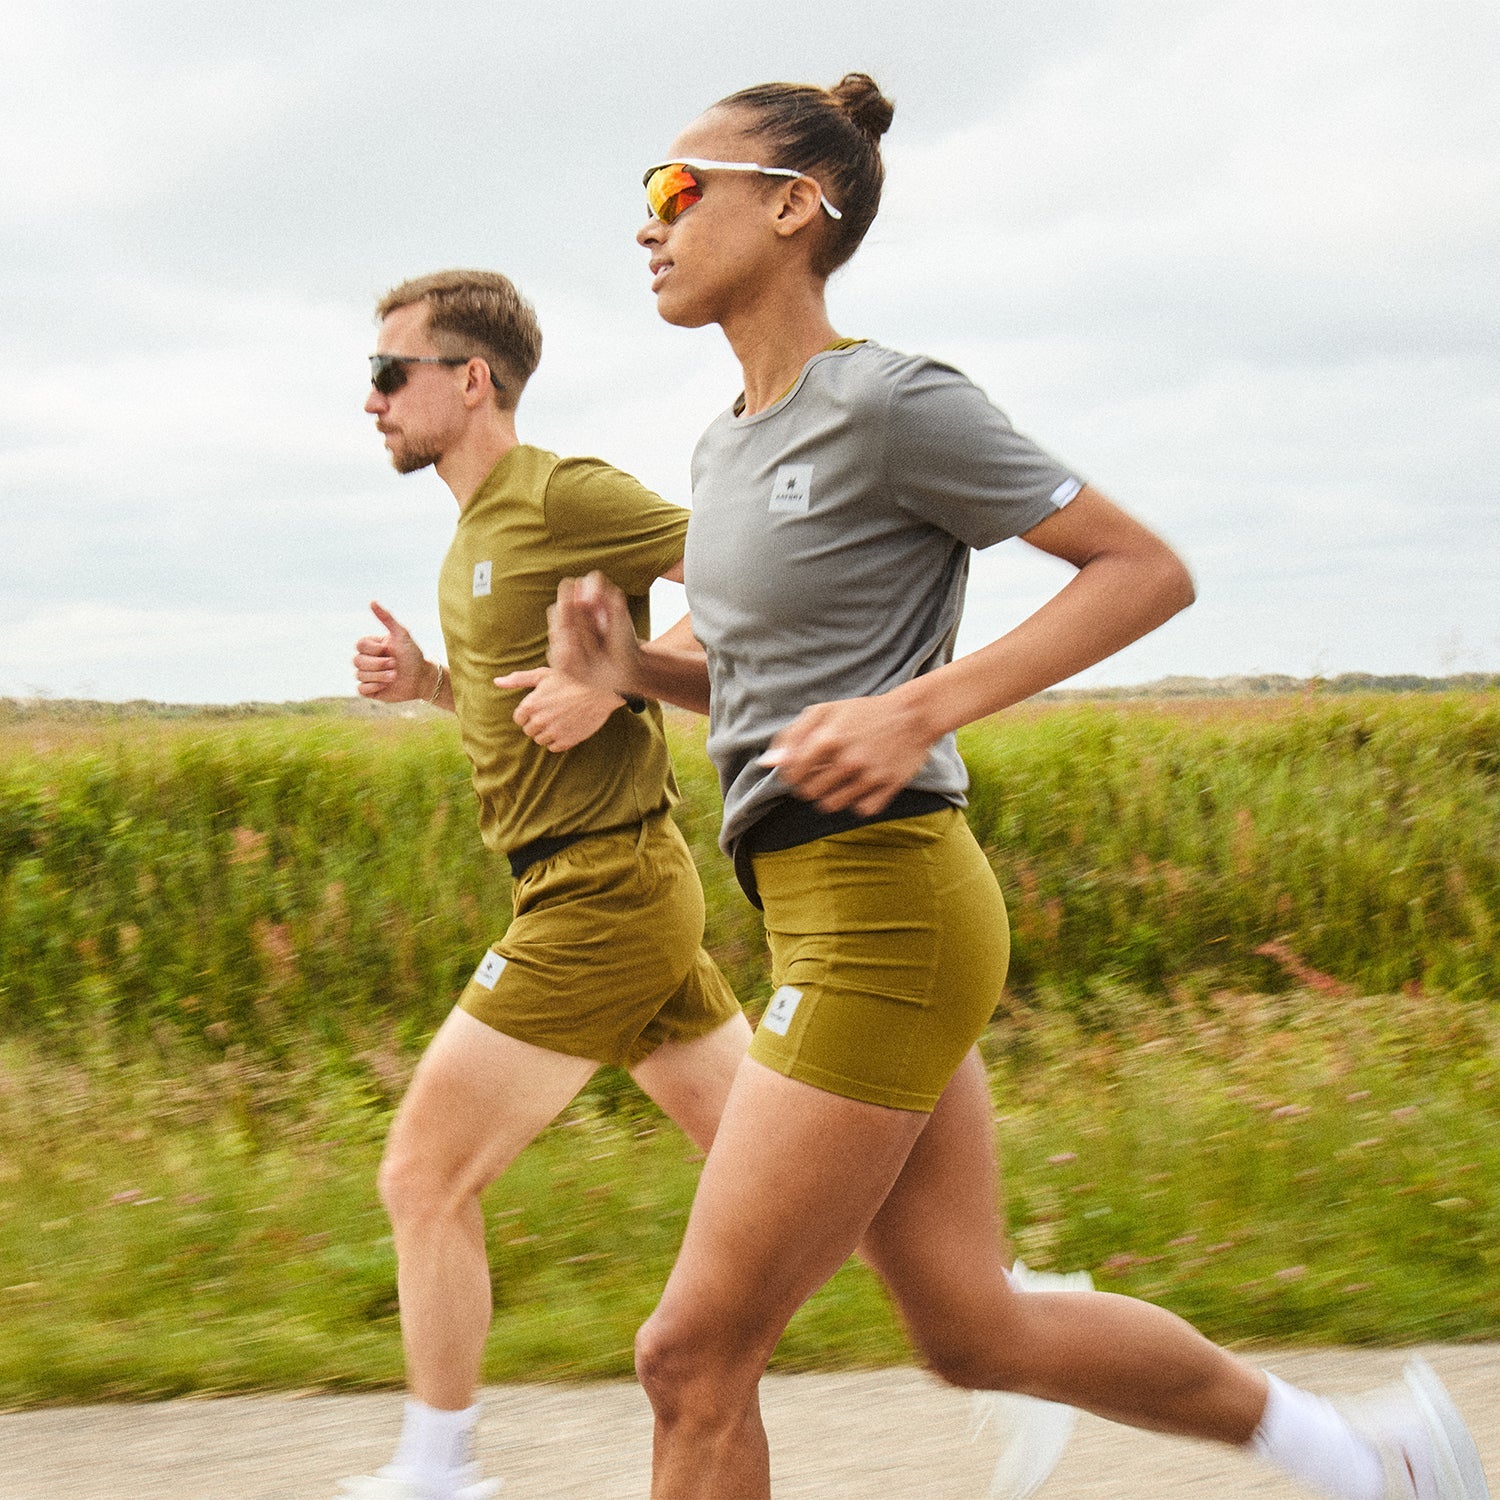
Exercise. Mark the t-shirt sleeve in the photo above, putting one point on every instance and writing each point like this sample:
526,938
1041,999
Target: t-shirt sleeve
953,459
607,520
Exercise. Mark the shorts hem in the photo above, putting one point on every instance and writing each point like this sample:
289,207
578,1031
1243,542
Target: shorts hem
519,1034
689,1032
912,1101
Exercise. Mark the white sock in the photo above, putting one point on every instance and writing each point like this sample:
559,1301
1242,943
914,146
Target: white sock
1312,1441
434,1443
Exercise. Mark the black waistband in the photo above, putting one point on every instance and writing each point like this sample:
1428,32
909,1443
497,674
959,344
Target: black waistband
522,859
795,822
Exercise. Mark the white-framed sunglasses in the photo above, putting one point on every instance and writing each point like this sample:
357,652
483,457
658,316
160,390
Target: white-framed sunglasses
672,187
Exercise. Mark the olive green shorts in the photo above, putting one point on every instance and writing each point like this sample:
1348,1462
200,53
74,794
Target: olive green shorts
603,956
889,946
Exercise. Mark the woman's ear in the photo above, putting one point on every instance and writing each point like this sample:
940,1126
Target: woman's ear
801,203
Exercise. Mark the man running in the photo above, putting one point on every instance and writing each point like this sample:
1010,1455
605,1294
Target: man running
602,961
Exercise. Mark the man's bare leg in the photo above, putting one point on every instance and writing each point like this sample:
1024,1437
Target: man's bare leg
477,1099
689,1081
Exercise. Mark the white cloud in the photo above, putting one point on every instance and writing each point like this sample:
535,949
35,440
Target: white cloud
1261,183
85,649
1241,265
83,127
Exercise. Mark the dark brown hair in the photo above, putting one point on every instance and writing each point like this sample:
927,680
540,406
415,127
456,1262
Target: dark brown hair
476,313
834,136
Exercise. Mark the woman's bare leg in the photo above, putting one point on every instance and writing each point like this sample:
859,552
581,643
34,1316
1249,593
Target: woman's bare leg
796,1180
792,1182
936,1243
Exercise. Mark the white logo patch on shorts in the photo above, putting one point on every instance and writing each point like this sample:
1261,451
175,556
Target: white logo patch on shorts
482,578
490,970
792,492
782,1008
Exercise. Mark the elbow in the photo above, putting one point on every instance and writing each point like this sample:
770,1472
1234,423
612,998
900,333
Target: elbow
1187,592
1175,589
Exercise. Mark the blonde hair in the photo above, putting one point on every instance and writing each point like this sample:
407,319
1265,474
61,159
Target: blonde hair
476,314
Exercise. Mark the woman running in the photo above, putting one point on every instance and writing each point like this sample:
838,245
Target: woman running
834,508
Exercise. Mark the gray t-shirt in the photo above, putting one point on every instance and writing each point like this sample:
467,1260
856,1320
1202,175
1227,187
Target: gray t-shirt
829,548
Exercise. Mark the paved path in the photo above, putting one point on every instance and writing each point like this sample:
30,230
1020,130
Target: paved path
883,1435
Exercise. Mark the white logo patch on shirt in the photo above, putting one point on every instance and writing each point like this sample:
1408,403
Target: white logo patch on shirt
782,1008
792,492
490,970
482,578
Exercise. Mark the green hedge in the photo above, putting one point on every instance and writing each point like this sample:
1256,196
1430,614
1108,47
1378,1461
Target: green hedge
237,879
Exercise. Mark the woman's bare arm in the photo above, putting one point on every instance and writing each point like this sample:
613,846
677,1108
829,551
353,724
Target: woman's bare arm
860,752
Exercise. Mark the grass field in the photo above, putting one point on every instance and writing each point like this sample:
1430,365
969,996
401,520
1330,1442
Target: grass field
1247,1065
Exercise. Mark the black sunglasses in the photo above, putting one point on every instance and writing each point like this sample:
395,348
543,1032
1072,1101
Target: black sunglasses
388,371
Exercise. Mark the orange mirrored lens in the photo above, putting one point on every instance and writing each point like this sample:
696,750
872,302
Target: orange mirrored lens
671,189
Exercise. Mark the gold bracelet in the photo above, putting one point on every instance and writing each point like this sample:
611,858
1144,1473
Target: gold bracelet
432,701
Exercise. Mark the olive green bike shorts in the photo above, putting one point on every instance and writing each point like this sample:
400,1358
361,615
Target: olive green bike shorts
603,956
889,946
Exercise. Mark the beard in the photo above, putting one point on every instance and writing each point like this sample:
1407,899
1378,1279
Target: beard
408,459
412,459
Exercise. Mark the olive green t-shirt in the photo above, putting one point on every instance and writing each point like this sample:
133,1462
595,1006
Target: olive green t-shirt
535,519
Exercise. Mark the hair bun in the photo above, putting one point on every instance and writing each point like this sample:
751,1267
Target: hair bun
859,96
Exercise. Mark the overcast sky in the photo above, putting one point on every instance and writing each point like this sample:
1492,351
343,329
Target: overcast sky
1238,264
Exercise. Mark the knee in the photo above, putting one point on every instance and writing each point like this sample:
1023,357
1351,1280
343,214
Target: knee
688,1374
663,1365
397,1181
412,1185
970,1368
954,1354
988,1350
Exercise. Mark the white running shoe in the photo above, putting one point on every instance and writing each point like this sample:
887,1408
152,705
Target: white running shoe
1424,1447
1032,1433
394,1484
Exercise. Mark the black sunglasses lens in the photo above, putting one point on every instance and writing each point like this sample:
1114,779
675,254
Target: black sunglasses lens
387,375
